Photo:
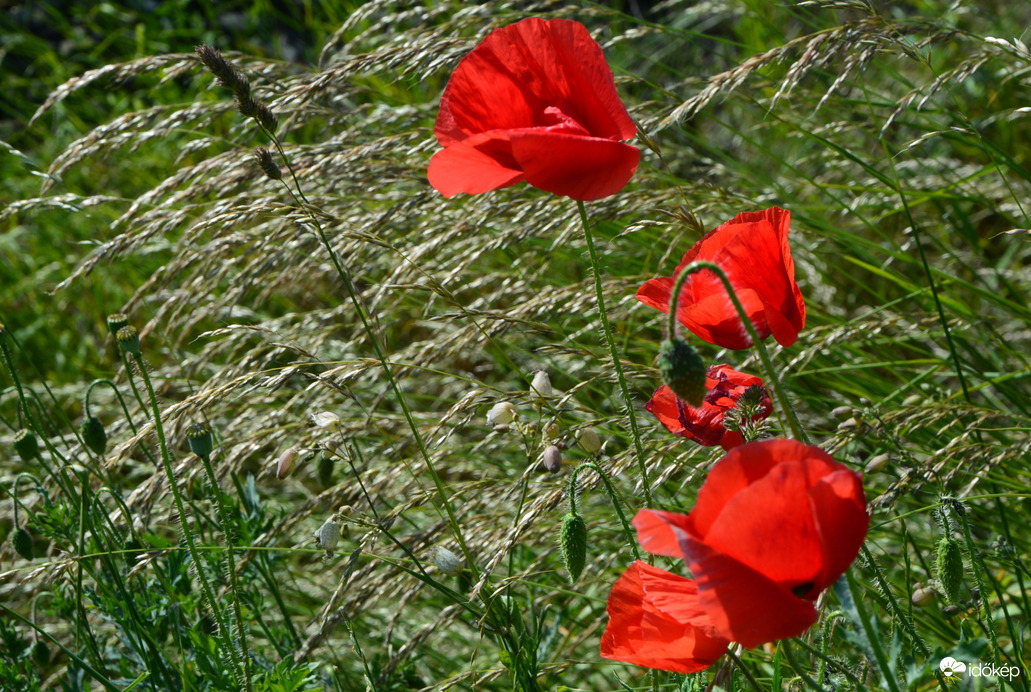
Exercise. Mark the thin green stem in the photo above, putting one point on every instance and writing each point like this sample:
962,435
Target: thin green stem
166,459
613,495
353,294
223,515
978,569
773,380
614,353
871,636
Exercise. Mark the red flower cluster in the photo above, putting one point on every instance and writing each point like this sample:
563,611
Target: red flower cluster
705,425
535,101
776,523
752,249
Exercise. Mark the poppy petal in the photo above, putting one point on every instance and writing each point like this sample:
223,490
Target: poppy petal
661,533
474,166
655,621
744,605
582,168
839,510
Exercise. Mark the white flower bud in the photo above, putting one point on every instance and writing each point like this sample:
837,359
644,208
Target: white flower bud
328,536
446,561
502,413
287,463
541,385
326,420
589,441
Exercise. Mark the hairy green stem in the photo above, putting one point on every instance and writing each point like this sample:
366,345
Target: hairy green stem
191,546
613,495
773,381
624,389
223,515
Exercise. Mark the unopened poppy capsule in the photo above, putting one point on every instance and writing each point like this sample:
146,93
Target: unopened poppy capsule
93,435
116,322
129,340
25,444
199,438
683,370
573,541
949,566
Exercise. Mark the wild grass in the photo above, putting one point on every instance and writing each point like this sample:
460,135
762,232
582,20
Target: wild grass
891,132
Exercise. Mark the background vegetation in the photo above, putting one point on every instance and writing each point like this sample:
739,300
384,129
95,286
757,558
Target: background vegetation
894,132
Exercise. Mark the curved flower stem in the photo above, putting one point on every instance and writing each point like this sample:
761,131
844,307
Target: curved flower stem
223,515
630,537
623,388
353,294
777,390
166,459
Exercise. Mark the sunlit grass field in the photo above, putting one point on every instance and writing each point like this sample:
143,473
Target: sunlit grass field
894,133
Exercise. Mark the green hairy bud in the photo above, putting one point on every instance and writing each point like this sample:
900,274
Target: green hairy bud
683,370
573,540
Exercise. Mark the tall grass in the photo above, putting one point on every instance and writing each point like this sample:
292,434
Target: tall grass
892,133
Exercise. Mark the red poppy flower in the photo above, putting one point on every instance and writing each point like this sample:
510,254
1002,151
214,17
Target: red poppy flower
752,249
536,102
776,523
655,621
705,425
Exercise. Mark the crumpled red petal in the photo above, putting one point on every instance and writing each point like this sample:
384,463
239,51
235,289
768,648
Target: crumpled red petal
655,621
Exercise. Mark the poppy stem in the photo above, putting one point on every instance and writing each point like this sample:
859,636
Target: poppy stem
607,328
613,495
777,391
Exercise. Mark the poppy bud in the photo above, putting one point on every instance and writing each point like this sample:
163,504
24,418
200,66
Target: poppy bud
25,444
22,542
683,370
287,463
446,561
552,458
589,441
326,420
116,322
93,435
40,653
502,413
328,536
129,340
949,566
573,541
198,436
541,385
324,467
923,597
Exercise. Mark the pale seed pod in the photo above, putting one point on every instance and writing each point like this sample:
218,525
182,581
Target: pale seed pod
328,536
842,412
589,441
327,420
541,385
446,561
551,431
287,462
552,458
502,413
878,463
923,597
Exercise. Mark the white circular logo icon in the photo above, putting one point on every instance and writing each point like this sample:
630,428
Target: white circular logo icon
951,666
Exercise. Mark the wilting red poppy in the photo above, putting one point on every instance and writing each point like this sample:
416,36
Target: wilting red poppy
752,249
776,523
705,425
655,621
536,102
